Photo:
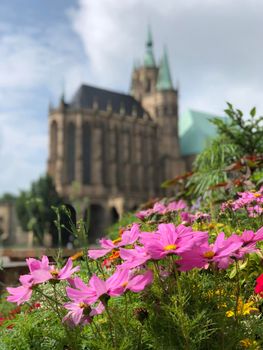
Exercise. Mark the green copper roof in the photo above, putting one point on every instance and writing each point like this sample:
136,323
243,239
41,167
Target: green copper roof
195,130
149,60
164,80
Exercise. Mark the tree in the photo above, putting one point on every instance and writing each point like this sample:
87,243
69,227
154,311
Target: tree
34,208
233,157
246,133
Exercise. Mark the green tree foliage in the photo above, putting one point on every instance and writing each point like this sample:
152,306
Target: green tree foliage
7,197
246,133
210,165
34,207
238,137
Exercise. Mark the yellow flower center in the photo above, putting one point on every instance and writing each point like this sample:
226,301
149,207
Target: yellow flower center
117,240
124,284
170,247
209,254
257,195
54,273
82,305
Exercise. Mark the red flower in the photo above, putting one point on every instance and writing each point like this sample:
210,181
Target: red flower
259,285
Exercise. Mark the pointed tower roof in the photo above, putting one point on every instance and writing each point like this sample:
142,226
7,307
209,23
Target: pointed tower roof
164,80
149,60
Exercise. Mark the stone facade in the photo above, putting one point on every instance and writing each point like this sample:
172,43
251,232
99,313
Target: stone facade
117,148
10,231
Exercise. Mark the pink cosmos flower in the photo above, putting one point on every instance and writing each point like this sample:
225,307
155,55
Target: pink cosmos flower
40,271
175,206
124,279
220,253
250,200
161,208
115,285
134,257
249,241
188,218
81,313
128,237
144,214
79,291
23,293
171,240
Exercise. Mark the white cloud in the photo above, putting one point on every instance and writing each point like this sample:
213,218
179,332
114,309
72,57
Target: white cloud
215,50
22,152
215,47
33,67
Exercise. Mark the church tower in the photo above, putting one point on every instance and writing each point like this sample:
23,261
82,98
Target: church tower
152,85
144,78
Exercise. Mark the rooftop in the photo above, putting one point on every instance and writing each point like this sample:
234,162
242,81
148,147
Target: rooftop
87,95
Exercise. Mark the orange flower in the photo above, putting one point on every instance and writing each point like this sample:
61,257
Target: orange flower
115,255
77,255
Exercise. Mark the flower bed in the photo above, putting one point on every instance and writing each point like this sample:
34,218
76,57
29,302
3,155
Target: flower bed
177,278
184,274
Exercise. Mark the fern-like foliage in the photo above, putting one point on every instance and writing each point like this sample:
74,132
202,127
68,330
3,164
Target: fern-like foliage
209,166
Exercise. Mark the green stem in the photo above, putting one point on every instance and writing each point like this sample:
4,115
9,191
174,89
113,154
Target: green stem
238,291
155,263
180,303
140,338
126,312
111,324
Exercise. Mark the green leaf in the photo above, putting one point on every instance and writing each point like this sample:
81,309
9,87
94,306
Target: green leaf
240,112
253,112
233,272
230,105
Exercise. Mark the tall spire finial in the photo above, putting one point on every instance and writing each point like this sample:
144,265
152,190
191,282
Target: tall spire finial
62,101
164,80
149,41
149,60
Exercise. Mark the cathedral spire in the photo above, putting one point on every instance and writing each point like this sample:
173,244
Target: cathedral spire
149,60
164,80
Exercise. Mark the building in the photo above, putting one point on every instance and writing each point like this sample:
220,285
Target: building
195,131
116,148
10,230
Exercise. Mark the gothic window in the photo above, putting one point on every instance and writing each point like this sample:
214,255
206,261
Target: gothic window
70,152
148,85
105,155
126,146
54,140
86,151
119,162
145,156
95,218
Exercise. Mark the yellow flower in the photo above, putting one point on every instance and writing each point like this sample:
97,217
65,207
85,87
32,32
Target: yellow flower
242,309
230,313
249,344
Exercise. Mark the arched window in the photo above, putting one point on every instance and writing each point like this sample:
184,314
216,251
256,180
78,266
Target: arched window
105,155
119,157
114,215
54,140
94,217
148,85
86,151
70,152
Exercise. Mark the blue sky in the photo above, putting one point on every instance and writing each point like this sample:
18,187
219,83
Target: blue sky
39,51
214,46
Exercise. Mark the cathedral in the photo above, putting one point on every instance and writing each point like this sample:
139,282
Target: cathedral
116,148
